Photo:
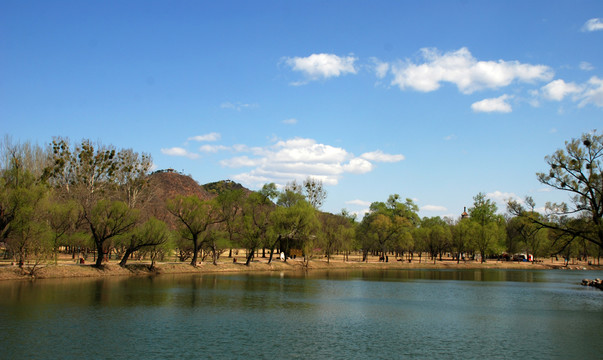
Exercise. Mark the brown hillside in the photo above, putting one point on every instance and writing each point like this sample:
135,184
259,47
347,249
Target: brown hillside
164,185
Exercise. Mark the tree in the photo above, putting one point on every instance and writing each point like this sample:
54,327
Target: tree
315,192
107,220
229,203
337,231
61,217
255,220
462,233
578,171
385,223
483,213
437,237
152,233
296,224
195,217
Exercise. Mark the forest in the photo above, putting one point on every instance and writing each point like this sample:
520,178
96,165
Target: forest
93,200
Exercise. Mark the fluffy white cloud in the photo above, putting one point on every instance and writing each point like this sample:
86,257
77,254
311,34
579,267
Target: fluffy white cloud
590,92
593,25
381,68
358,166
178,151
214,136
433,208
467,73
380,156
296,159
558,89
213,148
501,199
498,104
291,121
323,66
358,202
593,93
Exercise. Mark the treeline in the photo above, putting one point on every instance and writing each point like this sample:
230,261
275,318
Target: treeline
77,197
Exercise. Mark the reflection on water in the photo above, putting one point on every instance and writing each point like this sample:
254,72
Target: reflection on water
330,314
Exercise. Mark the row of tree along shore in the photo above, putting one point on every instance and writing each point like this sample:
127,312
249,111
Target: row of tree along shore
89,199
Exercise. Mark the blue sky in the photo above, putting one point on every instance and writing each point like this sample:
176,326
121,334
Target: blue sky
432,100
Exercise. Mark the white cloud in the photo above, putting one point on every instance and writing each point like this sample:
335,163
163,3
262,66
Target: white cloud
593,93
358,166
291,121
380,156
178,151
558,89
359,202
467,73
381,68
237,106
214,136
213,148
498,104
450,137
593,25
433,208
586,66
322,66
501,199
296,159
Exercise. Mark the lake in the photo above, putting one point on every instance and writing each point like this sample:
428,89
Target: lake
406,314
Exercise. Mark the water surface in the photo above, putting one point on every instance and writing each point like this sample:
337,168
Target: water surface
415,314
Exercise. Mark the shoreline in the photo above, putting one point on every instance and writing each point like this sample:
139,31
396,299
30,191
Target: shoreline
70,270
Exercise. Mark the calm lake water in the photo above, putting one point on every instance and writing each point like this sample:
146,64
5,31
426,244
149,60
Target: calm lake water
414,314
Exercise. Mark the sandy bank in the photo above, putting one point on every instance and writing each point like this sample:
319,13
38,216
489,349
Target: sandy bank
66,270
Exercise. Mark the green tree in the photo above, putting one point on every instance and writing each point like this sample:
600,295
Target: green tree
255,220
337,233
578,171
229,203
296,224
386,222
107,220
483,214
438,236
195,217
152,233
462,233
61,217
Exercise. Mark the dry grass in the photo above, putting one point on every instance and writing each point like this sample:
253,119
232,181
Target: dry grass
67,268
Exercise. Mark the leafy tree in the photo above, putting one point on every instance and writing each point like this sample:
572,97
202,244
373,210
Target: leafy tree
385,223
578,171
462,233
61,217
229,203
195,217
437,237
483,214
152,233
255,220
107,220
337,230
296,224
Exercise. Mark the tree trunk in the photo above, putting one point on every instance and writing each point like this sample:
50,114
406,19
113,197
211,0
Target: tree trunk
195,251
99,253
126,257
272,249
249,257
